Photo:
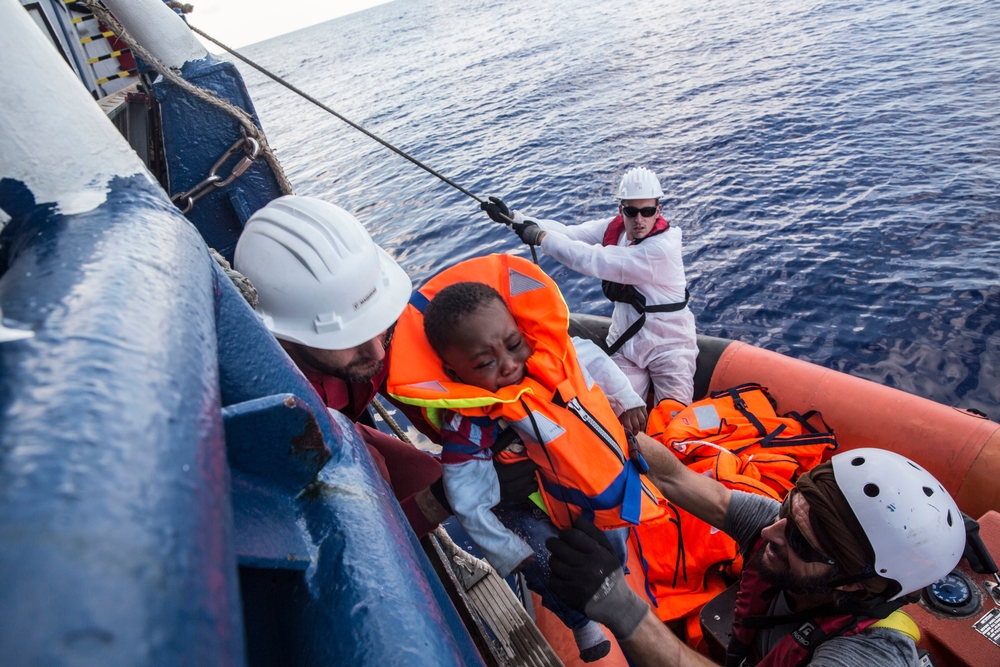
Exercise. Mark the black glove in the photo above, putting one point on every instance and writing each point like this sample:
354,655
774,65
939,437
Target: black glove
586,575
528,231
517,480
497,210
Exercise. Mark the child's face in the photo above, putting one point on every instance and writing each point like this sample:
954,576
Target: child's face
488,350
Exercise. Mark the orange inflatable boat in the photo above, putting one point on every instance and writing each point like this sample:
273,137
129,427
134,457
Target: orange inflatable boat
960,448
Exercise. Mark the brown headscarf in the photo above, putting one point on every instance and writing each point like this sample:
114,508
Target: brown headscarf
838,532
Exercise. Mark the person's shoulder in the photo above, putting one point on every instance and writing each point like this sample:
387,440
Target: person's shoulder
877,646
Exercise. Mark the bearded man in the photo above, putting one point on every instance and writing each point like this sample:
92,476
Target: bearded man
331,297
854,539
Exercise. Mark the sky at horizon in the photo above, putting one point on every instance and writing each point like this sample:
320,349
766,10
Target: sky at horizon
239,23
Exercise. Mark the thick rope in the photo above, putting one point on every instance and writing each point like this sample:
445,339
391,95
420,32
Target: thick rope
242,283
207,96
459,556
393,424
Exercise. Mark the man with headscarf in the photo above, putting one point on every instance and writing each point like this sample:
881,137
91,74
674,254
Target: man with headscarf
850,544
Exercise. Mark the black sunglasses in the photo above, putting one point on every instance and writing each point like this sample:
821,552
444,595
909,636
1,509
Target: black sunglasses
632,211
797,542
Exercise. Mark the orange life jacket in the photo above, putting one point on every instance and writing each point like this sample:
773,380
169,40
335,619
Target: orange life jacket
736,436
569,429
685,561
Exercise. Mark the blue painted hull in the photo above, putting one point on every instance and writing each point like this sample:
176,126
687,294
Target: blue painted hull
172,490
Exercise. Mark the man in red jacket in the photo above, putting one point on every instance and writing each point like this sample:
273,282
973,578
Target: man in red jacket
331,297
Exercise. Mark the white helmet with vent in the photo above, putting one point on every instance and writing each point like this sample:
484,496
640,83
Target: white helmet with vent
913,524
639,183
320,279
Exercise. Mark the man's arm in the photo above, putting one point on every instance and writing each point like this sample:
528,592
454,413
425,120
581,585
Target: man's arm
654,645
590,232
586,575
657,261
700,495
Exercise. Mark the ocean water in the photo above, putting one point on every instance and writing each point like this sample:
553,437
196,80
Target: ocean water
834,165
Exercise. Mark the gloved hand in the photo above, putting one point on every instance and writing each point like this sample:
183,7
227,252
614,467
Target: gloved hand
517,480
497,210
528,231
586,575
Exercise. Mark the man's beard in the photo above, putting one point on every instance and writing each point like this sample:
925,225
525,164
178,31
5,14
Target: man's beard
358,371
783,579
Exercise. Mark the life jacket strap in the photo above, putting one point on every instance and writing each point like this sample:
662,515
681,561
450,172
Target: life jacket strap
642,309
625,490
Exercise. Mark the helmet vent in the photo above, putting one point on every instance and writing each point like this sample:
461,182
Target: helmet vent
858,461
928,491
871,490
949,517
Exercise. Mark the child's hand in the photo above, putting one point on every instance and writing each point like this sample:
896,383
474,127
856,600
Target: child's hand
524,563
634,420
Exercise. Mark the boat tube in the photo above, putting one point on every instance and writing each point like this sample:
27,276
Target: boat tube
960,448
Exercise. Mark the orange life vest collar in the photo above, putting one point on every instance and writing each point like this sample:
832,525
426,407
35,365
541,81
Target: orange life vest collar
617,226
568,427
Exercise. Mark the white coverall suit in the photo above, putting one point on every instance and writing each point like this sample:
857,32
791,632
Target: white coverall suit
665,349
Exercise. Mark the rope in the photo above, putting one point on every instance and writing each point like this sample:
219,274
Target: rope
322,106
357,127
393,424
459,557
207,96
242,283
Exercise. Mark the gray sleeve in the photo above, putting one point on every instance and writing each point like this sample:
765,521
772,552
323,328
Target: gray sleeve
746,516
881,646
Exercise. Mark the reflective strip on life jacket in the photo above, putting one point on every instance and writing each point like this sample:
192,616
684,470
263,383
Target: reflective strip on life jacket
568,428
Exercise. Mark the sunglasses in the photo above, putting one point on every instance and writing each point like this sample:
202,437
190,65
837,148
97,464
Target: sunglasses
797,542
632,211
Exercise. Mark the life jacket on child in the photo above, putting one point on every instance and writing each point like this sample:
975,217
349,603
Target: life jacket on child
737,435
569,428
628,293
753,599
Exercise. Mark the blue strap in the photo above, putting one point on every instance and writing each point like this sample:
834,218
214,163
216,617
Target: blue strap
468,450
632,497
645,569
625,491
419,301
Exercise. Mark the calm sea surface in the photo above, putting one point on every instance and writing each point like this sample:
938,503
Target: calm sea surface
834,166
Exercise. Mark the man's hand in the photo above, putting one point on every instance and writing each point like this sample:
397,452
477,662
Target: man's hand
635,419
528,231
586,575
702,496
497,210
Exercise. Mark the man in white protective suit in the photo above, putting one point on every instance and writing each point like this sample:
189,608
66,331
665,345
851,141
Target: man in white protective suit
637,256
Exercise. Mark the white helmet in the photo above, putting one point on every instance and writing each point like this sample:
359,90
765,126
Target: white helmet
639,183
320,278
913,524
